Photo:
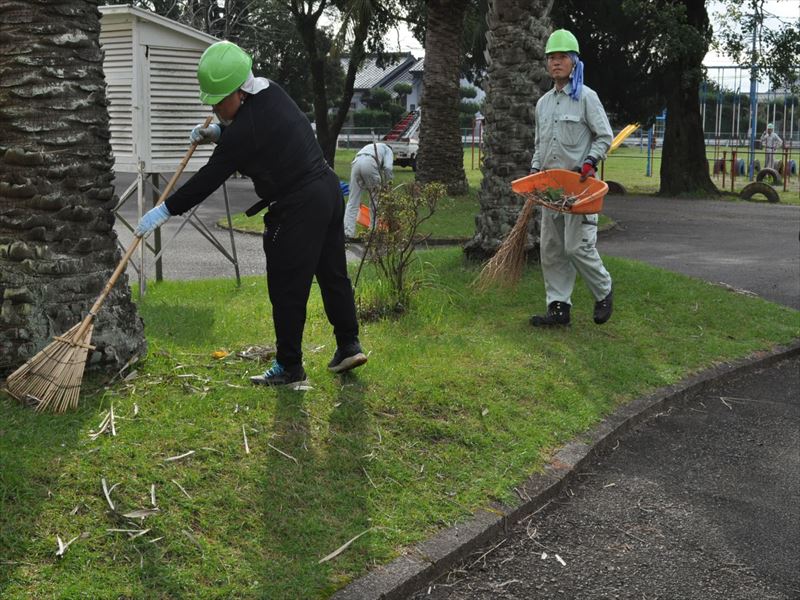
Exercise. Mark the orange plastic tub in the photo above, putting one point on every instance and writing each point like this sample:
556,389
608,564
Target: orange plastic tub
590,193
363,216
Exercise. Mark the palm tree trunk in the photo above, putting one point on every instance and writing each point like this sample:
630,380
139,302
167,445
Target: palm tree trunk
516,78
57,242
441,154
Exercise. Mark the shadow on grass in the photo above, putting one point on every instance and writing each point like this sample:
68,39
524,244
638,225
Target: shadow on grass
181,325
33,448
315,505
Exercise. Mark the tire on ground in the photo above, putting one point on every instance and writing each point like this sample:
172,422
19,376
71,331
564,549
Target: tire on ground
740,166
719,166
771,175
792,170
615,188
759,187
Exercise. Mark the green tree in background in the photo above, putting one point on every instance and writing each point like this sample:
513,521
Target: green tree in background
642,56
777,47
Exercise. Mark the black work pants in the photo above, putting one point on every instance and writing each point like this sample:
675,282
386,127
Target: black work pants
303,238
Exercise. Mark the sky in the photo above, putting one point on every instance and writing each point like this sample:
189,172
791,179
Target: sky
779,9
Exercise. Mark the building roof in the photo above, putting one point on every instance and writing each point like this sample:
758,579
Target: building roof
146,15
390,70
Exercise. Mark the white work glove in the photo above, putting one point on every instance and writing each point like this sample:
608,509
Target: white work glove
205,135
152,219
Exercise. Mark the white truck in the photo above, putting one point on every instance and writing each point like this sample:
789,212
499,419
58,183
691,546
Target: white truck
403,139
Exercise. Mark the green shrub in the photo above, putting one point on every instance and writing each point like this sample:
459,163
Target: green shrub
391,246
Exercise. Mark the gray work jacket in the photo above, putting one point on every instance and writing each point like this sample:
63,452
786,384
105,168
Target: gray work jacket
567,131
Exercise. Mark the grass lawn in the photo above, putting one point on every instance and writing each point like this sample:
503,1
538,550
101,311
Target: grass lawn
628,166
455,218
460,401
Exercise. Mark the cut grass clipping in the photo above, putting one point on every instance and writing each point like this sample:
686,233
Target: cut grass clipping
223,490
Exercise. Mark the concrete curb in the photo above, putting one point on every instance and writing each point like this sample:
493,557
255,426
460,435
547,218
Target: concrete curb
434,557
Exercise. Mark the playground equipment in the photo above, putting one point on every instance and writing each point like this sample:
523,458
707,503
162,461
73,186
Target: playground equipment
733,128
622,136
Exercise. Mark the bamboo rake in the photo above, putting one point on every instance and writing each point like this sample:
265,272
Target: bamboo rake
51,380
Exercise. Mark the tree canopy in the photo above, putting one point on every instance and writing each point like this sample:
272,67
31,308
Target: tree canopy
641,57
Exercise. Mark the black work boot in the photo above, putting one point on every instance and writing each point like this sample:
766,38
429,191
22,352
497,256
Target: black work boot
348,356
603,308
557,315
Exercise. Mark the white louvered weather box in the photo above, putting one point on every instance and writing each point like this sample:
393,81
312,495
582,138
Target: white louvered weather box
150,65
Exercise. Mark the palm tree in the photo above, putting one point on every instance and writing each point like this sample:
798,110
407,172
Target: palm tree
57,242
441,156
516,78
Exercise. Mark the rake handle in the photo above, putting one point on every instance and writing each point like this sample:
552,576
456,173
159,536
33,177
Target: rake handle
123,263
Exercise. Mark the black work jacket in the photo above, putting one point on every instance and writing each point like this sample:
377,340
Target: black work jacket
271,141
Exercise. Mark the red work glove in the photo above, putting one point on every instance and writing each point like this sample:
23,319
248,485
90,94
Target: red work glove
588,168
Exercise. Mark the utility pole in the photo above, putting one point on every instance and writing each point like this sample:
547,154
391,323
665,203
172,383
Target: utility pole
753,100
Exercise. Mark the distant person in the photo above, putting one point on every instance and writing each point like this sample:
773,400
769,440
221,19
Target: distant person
264,135
770,141
372,167
573,133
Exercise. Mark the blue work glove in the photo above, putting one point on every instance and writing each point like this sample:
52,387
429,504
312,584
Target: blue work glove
205,135
589,168
153,218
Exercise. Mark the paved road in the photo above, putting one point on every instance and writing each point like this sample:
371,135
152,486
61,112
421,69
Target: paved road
699,503
189,255
748,245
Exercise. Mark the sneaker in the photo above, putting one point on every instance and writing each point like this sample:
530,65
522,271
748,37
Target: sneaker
278,375
603,308
557,315
347,357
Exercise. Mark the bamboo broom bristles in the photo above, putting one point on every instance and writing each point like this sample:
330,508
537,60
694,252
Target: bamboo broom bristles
51,380
506,266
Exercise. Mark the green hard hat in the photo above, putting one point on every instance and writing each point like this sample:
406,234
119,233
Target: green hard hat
222,69
770,126
561,40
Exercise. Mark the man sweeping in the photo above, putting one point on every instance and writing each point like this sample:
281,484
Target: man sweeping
572,132
265,136
372,167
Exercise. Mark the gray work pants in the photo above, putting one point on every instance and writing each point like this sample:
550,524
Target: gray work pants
568,246
364,176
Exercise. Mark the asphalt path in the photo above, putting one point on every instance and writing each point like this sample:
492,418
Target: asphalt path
698,503
186,253
747,245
